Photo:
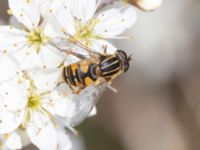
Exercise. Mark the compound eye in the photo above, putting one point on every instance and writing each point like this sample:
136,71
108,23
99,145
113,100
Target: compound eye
122,54
127,67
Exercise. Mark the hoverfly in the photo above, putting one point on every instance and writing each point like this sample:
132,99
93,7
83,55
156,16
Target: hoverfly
89,77
95,70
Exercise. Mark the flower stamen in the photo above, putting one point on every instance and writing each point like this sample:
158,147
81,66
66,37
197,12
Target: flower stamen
37,38
85,32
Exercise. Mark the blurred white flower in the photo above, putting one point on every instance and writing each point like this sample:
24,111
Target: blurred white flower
10,141
15,140
79,19
29,45
147,5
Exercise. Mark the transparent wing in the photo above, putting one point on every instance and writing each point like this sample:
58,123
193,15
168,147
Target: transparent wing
61,43
82,104
68,42
85,101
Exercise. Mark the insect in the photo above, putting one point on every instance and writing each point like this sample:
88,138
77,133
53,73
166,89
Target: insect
95,70
87,78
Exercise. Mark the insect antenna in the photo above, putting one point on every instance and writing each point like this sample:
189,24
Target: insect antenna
130,58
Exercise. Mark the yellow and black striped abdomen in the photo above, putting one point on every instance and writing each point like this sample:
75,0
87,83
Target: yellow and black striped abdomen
80,74
109,66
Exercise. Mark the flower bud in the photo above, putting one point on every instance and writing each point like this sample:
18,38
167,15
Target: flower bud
146,5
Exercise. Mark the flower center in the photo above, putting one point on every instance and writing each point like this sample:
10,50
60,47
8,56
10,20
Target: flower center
34,102
85,32
37,38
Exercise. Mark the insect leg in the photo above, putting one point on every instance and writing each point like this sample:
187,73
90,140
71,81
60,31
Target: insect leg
80,56
112,88
79,44
100,81
70,128
105,47
73,90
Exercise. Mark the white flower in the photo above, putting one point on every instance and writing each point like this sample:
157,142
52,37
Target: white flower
26,102
147,5
8,67
79,19
29,45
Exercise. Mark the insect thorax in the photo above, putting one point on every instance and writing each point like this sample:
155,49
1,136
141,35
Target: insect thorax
109,66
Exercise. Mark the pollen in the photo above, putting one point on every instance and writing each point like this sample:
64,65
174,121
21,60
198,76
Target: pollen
9,12
37,38
10,27
6,136
5,51
50,10
15,45
85,32
34,102
45,67
21,15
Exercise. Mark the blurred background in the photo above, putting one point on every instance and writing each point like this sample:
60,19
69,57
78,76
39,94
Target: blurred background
158,104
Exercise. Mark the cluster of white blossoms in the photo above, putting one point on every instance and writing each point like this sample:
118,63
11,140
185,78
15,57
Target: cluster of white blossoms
35,105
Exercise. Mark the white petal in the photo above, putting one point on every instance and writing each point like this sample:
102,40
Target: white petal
44,6
113,22
14,141
41,132
64,142
101,45
9,67
9,121
64,19
24,137
57,104
28,58
50,57
11,38
52,28
46,80
83,9
13,94
26,12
